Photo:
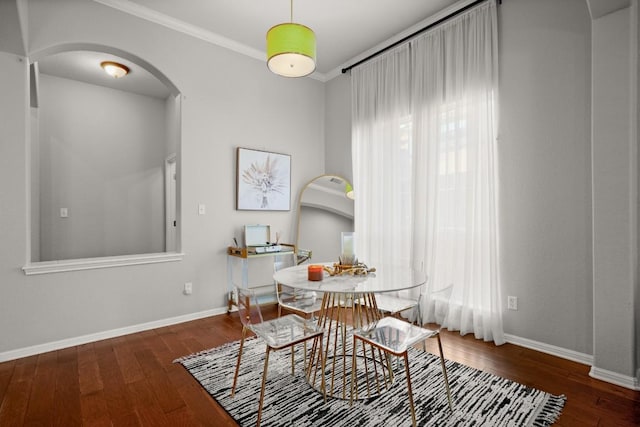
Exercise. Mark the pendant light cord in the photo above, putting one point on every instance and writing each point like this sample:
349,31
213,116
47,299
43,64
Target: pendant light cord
291,11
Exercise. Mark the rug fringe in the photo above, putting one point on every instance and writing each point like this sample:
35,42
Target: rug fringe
550,411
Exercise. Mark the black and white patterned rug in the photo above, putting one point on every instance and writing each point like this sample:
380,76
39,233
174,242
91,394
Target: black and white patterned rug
479,398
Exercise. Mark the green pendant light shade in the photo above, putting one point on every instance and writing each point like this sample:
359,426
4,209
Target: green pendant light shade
291,50
348,191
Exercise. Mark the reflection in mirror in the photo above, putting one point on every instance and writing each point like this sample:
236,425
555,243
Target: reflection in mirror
103,159
324,212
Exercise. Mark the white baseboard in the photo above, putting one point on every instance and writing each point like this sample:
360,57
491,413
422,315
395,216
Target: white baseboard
615,378
585,359
84,339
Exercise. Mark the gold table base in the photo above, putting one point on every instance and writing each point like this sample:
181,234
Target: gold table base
340,313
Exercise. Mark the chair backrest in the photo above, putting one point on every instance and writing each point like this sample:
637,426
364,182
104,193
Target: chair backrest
439,302
248,307
288,295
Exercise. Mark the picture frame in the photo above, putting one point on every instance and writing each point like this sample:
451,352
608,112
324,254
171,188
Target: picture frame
263,180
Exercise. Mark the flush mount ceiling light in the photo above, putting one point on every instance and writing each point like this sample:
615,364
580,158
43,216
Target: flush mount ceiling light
291,49
115,69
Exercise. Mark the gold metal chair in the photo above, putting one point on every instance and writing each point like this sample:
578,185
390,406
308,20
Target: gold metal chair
394,337
393,305
436,305
300,302
297,301
280,333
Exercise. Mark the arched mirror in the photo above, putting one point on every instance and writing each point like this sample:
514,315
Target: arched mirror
104,156
325,210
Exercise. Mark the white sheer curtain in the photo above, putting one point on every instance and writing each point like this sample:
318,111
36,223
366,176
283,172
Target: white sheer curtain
381,158
425,164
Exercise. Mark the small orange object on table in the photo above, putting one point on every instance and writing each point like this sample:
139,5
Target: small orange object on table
315,273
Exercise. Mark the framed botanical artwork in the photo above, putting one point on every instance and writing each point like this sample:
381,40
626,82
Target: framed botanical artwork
263,181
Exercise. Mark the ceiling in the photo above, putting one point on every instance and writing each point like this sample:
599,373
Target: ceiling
345,29
84,66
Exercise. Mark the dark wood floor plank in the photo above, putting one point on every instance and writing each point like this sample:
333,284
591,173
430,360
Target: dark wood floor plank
129,366
161,351
146,405
119,406
181,417
6,373
25,369
89,377
132,380
174,345
13,407
94,410
40,405
67,410
156,375
205,410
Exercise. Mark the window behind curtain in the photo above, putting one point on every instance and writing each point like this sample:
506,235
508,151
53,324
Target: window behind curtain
425,164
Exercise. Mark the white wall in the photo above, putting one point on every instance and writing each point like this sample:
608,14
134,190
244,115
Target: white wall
338,125
102,155
544,148
229,100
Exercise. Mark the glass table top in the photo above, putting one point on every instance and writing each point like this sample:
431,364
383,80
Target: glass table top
386,278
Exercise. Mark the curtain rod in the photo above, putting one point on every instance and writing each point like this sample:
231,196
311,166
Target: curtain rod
422,30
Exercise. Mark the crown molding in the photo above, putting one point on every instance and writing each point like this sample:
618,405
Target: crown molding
167,21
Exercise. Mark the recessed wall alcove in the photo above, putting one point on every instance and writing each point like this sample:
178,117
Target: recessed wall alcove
104,161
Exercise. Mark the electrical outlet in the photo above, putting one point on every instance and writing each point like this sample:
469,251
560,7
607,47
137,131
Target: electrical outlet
512,303
188,288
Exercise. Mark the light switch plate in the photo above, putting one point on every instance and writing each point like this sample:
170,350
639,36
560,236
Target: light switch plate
202,209
188,288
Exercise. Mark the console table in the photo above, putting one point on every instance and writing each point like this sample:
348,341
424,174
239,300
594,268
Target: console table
238,264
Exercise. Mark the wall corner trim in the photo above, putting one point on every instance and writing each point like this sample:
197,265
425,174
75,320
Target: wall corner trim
615,378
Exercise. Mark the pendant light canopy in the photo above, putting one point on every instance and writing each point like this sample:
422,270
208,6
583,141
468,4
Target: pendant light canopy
291,49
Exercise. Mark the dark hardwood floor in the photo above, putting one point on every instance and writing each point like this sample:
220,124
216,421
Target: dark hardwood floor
131,380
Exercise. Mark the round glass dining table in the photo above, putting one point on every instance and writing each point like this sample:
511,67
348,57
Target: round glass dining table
348,302
385,278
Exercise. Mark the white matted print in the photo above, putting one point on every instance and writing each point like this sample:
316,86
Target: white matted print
263,180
